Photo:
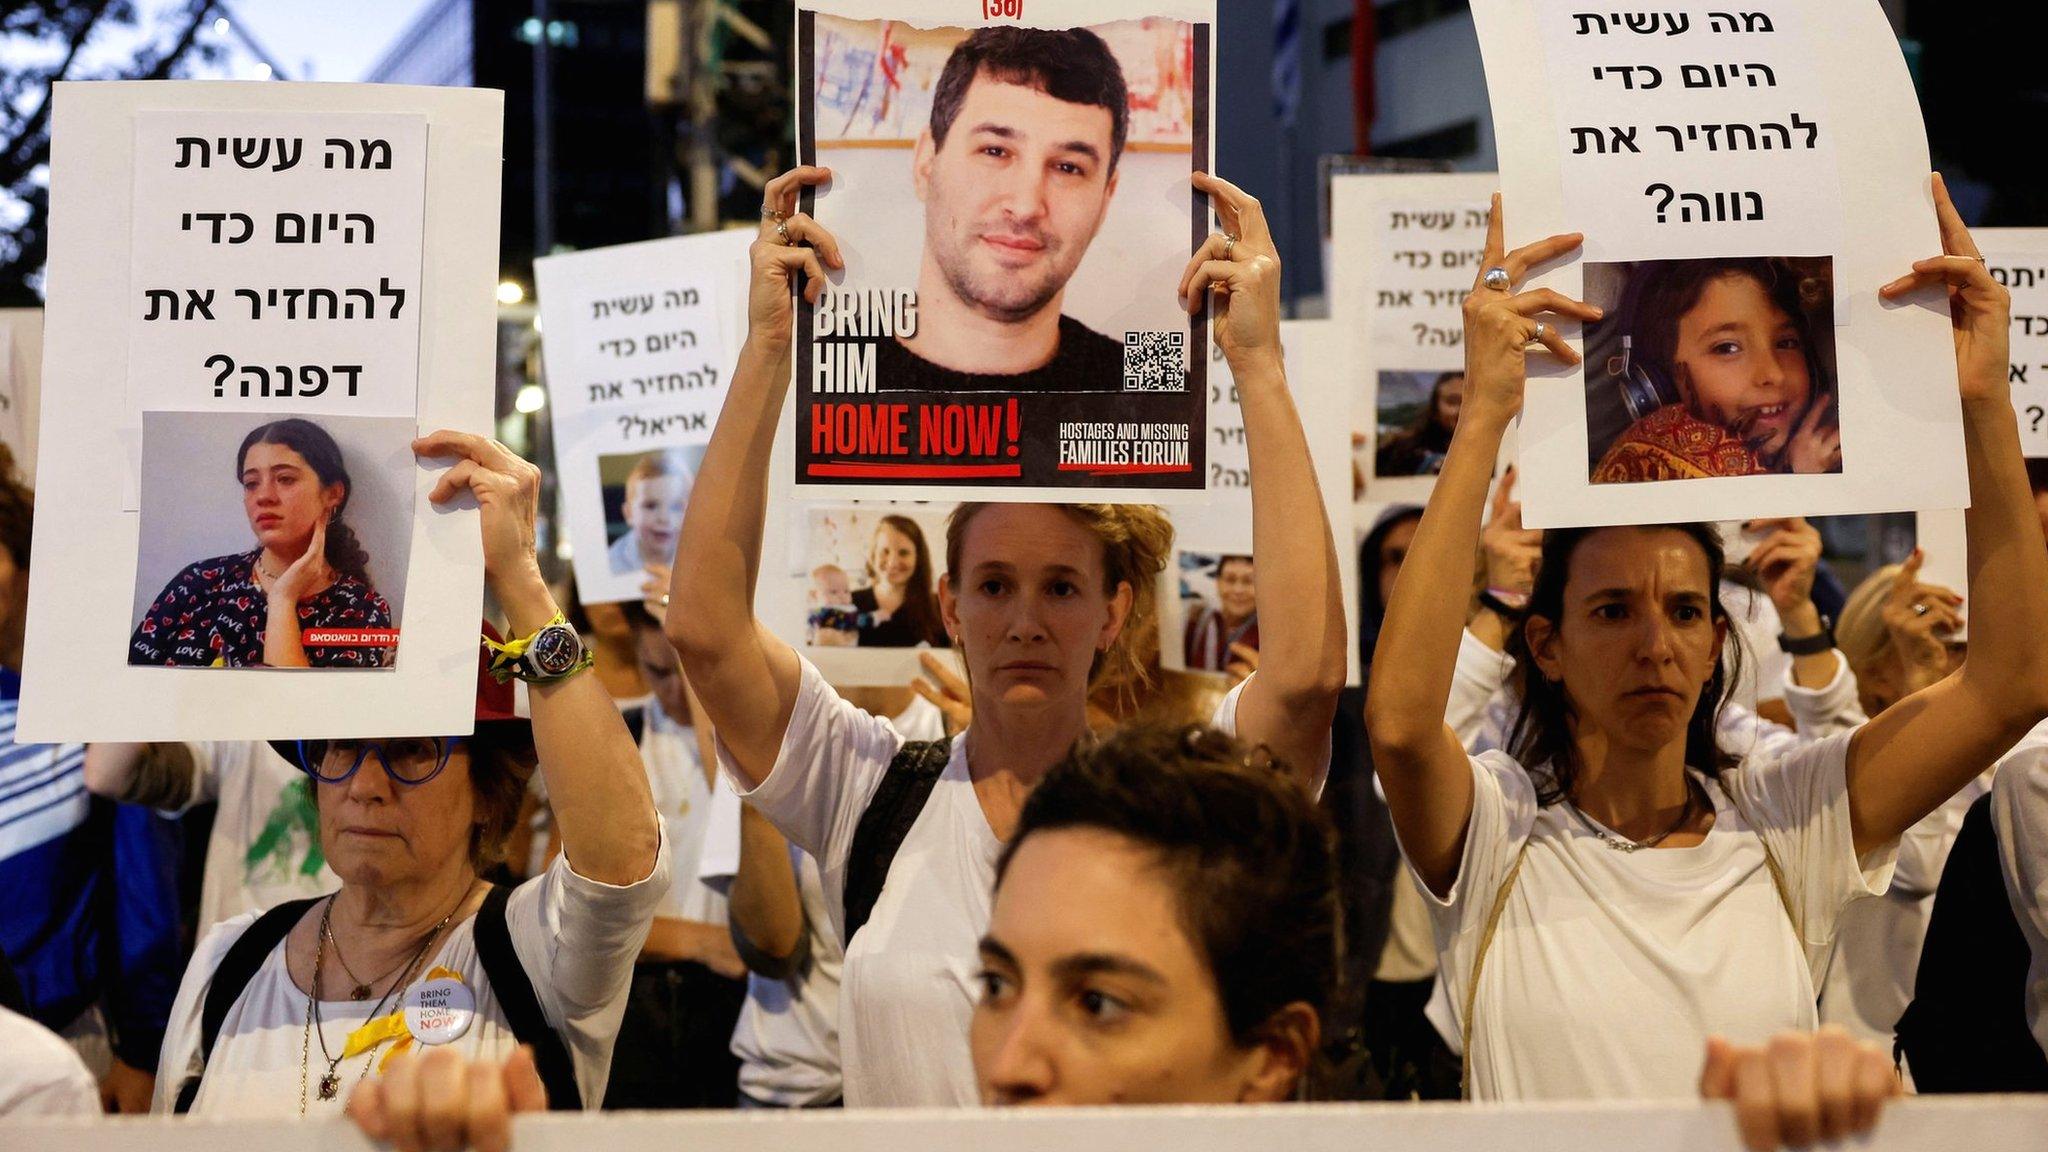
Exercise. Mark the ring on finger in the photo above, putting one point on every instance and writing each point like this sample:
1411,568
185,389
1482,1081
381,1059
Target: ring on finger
1229,245
1542,330
782,230
775,214
664,599
1496,278
1920,609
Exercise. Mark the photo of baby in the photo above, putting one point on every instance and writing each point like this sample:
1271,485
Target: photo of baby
645,494
872,577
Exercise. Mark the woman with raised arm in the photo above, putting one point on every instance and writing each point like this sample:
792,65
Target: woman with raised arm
1038,598
1612,891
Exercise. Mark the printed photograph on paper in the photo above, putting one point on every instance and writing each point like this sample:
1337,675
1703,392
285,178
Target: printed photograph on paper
1415,415
1220,609
871,575
1713,367
1015,211
272,541
645,495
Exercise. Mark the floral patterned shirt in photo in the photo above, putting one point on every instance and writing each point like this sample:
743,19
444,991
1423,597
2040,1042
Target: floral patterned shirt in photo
212,615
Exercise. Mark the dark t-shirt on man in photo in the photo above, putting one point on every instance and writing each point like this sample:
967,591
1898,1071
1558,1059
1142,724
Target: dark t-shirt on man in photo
1087,361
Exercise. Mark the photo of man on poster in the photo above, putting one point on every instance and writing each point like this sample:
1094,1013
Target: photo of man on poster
1016,172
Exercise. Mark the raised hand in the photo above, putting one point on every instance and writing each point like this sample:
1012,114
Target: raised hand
444,1100
1512,552
1980,309
944,688
1501,324
1786,561
1816,445
1919,618
790,243
1239,269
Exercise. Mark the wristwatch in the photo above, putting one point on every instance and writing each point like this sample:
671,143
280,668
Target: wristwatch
554,653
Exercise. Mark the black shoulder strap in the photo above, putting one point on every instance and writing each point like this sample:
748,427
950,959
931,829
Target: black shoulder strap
514,990
232,976
913,772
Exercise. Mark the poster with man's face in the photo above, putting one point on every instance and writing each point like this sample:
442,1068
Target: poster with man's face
1012,197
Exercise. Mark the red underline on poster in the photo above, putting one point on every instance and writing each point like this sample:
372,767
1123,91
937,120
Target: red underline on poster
349,638
1124,469
845,470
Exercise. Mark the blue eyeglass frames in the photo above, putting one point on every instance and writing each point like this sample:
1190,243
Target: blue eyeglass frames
408,760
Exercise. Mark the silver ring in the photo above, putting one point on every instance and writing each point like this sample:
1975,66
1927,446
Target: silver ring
1229,245
1496,278
1920,609
1541,330
774,214
782,230
664,599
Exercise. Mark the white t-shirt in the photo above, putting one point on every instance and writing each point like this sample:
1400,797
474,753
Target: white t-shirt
2019,813
1609,969
909,980
576,939
675,773
40,1075
1877,945
265,845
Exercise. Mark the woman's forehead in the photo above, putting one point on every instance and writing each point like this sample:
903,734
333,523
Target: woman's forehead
1667,559
1029,537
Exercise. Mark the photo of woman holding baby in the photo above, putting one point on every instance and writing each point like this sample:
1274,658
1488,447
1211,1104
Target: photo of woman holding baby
897,608
302,598
1721,367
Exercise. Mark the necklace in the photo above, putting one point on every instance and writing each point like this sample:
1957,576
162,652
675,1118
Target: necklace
266,573
330,1081
1622,843
361,991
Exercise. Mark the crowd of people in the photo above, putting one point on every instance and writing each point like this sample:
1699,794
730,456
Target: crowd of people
1601,825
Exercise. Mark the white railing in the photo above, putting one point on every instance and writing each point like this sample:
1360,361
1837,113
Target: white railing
1962,1124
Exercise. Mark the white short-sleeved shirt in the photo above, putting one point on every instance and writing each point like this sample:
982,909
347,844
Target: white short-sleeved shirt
40,1074
2019,813
908,990
265,845
683,797
1610,969
575,937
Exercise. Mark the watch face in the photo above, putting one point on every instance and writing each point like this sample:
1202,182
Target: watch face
555,650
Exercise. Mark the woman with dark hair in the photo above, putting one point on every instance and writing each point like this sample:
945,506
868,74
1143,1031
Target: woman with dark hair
1727,347
302,597
1164,929
1212,635
897,607
1418,449
1612,891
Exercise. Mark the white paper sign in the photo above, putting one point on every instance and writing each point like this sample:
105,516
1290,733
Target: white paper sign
1204,537
2018,259
638,342
122,184
276,261
1746,366
1407,248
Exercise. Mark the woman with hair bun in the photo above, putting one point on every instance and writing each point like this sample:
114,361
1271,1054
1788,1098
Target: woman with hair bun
281,603
1041,601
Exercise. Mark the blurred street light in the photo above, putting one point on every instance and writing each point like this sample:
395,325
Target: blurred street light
532,398
509,292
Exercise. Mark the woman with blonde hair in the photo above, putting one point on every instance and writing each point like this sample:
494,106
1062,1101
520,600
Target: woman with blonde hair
1038,599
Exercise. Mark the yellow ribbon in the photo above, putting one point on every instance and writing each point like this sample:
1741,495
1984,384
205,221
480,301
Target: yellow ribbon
505,654
377,1031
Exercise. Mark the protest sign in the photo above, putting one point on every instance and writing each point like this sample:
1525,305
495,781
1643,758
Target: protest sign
2018,259
638,341
1746,366
1016,330
1406,250
251,262
1206,594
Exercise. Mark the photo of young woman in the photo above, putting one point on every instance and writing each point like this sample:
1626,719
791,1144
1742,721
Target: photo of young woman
886,599
1719,367
303,596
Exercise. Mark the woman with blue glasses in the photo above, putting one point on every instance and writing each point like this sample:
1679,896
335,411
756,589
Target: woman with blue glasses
286,1012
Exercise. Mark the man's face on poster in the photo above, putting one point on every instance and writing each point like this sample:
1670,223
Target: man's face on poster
1015,196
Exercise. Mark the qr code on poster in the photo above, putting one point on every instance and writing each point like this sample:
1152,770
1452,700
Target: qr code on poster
1155,362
